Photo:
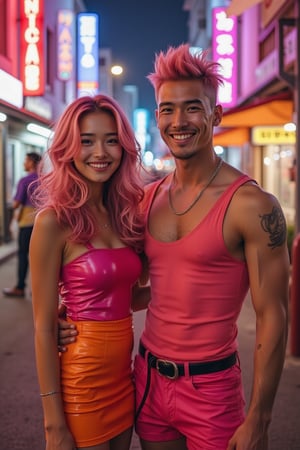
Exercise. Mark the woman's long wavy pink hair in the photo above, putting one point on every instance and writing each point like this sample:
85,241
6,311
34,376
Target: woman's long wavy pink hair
64,190
178,63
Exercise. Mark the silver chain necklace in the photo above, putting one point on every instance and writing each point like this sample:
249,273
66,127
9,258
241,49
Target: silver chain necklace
213,176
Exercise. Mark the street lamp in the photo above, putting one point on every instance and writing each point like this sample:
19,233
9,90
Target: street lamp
116,72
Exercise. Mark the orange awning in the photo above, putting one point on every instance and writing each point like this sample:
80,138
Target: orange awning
237,7
232,137
273,112
236,124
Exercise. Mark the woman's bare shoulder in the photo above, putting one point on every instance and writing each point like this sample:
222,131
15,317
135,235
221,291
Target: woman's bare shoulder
46,221
48,237
46,217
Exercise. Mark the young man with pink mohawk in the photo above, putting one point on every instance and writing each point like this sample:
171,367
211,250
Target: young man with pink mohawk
211,234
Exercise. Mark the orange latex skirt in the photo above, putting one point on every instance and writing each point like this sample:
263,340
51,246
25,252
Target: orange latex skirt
97,384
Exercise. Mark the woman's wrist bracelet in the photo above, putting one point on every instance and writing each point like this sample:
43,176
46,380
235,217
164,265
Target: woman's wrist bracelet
46,394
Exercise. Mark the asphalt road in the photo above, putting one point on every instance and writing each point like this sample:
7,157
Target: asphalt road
21,422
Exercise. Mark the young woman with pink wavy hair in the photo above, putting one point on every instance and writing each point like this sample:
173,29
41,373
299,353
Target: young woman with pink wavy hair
85,254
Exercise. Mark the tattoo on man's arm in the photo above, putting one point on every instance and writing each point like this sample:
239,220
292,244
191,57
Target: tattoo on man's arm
274,224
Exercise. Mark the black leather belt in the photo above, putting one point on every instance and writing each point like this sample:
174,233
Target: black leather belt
173,370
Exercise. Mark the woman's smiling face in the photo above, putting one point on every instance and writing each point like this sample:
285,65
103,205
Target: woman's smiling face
101,151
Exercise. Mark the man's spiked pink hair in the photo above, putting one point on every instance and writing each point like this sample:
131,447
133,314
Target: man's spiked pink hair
178,63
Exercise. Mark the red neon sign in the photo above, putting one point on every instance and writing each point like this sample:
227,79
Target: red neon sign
32,67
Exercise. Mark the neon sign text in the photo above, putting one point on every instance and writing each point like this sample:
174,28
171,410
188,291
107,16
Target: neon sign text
32,71
225,53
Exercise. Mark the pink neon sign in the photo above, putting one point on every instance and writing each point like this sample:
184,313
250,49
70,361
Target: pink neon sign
224,49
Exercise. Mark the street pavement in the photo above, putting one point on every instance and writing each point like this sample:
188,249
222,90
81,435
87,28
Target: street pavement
21,421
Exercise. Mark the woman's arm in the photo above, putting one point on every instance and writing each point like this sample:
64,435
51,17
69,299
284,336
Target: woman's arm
46,250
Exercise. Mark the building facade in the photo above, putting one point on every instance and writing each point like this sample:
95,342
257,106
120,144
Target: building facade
254,134
37,81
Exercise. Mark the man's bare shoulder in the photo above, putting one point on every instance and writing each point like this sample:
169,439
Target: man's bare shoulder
153,184
258,215
155,188
251,196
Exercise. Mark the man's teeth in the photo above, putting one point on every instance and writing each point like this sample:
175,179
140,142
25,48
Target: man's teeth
181,136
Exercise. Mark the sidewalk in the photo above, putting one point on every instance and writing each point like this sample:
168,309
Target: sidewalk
21,426
8,250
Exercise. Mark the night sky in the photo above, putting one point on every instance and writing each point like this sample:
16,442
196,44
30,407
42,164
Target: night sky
135,30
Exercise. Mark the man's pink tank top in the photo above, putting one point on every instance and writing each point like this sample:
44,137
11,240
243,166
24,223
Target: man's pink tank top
98,284
197,289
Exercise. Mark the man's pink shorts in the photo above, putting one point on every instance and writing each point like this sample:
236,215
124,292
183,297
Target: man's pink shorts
205,409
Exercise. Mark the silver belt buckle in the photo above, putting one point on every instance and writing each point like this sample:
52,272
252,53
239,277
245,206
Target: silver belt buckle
166,362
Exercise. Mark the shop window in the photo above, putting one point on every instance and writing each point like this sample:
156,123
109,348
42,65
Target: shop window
277,164
267,45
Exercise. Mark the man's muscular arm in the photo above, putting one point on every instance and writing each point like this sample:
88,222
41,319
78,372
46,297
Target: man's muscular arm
66,331
263,228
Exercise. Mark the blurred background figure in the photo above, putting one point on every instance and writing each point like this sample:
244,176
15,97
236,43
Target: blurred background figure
24,215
